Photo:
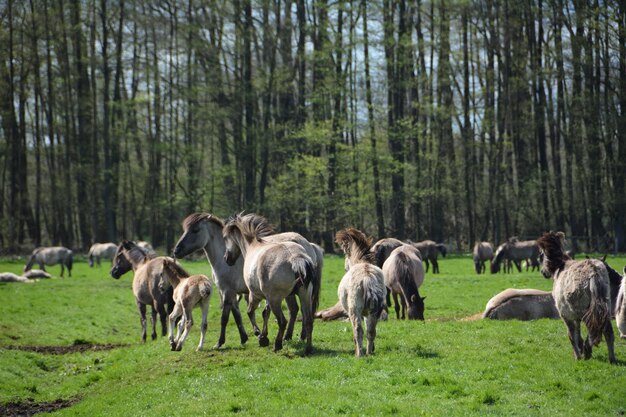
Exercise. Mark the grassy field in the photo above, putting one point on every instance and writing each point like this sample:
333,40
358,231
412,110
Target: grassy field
447,365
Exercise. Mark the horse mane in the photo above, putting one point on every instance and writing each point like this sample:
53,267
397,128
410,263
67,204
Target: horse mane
252,226
554,256
355,244
136,253
178,270
195,218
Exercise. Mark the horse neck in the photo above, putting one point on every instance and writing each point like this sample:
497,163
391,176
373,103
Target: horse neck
173,278
215,248
133,263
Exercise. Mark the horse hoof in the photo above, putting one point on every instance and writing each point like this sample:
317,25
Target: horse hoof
278,346
257,332
264,341
179,348
244,339
154,336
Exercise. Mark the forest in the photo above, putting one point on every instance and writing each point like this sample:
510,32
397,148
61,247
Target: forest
454,121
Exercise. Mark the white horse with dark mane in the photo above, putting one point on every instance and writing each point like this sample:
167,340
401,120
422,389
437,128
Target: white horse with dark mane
581,293
99,251
51,256
362,289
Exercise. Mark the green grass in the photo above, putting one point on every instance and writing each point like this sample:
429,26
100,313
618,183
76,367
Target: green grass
444,366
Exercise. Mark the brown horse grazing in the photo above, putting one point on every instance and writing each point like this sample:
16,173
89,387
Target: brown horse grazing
51,256
430,250
362,289
101,250
404,274
581,293
515,251
189,292
527,304
147,269
382,249
483,252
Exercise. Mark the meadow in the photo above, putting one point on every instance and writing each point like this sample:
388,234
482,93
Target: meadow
451,364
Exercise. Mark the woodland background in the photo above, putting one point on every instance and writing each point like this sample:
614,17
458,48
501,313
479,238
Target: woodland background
454,121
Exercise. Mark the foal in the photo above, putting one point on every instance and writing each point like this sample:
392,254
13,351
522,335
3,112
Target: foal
362,289
189,292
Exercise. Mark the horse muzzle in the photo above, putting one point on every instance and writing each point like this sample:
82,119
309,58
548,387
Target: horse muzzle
115,273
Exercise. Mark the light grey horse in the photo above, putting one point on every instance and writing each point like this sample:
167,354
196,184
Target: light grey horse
483,252
189,292
362,288
404,274
581,293
36,273
620,310
272,271
526,304
101,250
51,256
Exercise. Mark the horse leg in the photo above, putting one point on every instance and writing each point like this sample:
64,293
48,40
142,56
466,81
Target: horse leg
253,303
252,317
225,306
357,331
203,326
153,317
162,317
292,305
307,319
188,319
573,332
275,305
609,336
263,339
396,305
176,313
142,315
234,308
435,266
426,263
370,325
62,269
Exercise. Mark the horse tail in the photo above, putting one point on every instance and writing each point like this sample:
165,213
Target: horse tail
598,313
442,249
307,274
205,289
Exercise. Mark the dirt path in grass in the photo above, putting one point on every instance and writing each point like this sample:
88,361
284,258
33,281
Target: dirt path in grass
30,407
63,350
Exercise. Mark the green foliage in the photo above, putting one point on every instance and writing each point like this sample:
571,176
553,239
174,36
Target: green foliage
447,365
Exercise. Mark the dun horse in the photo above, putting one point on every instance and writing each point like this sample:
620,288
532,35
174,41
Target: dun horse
362,289
101,250
51,256
272,271
430,250
516,251
189,292
147,274
404,274
525,304
620,310
581,293
483,252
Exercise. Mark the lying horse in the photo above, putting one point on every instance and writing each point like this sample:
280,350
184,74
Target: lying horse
101,250
362,289
525,304
581,293
51,256
483,252
36,273
11,277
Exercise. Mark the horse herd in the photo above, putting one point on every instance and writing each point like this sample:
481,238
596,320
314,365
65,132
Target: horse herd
249,261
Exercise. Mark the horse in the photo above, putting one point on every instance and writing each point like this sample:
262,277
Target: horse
147,274
403,275
11,277
581,293
189,292
36,273
362,290
272,271
429,250
516,251
145,245
483,251
620,309
615,282
101,250
381,250
526,304
51,256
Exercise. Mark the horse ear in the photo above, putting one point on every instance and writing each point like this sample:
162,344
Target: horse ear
126,244
423,298
624,269
603,259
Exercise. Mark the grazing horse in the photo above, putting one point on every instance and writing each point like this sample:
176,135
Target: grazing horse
527,304
429,250
147,274
272,271
382,249
581,293
483,252
51,256
404,274
362,289
189,292
516,251
101,250
620,310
